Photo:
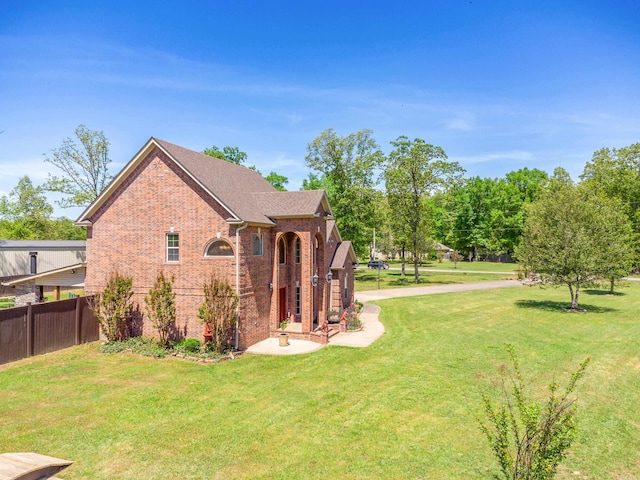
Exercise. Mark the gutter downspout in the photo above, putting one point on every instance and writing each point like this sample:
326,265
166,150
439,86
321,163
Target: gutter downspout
237,342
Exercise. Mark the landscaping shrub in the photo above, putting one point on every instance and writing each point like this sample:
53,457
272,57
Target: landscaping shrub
353,321
528,438
188,345
161,307
113,306
218,313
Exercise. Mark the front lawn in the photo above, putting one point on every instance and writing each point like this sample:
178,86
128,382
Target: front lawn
370,279
405,407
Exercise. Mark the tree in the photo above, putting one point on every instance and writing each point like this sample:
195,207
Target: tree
349,165
25,213
85,168
415,170
229,154
218,312
529,438
278,181
113,306
616,174
314,182
568,232
238,157
161,307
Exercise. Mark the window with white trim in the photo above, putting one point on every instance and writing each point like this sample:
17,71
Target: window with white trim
258,245
173,247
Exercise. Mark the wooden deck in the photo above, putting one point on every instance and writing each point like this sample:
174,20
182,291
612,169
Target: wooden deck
30,466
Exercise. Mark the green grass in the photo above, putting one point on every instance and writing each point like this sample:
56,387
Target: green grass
367,279
7,302
449,265
405,407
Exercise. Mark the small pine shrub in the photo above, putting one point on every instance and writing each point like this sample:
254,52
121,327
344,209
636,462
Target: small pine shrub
113,306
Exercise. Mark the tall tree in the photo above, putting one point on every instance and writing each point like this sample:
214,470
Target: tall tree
85,168
414,171
25,213
616,174
568,235
349,165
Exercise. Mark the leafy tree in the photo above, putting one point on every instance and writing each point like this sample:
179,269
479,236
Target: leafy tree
349,165
314,182
25,212
529,438
278,181
229,154
528,182
616,174
415,170
85,168
161,307
568,233
113,306
63,229
218,312
236,156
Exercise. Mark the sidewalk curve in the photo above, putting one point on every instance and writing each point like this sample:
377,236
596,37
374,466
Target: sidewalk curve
372,329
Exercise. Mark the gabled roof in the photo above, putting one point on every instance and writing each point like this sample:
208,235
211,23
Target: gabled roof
305,203
343,252
68,244
243,193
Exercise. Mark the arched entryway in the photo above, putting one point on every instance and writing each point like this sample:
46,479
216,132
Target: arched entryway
288,279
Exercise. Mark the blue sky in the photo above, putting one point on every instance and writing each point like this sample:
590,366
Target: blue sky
499,85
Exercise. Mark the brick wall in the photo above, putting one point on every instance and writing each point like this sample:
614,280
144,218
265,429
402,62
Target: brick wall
129,231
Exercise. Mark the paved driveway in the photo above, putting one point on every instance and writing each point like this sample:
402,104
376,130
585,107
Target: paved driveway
370,295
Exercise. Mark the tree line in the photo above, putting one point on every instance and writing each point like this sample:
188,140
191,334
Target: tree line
414,198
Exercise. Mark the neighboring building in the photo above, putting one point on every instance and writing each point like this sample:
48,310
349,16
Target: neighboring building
192,216
30,289
30,257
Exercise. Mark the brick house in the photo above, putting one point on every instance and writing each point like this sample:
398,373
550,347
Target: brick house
193,216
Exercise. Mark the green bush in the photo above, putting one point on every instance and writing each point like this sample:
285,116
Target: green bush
188,345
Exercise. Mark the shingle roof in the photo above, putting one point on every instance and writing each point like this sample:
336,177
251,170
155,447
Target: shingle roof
289,204
344,250
228,182
244,193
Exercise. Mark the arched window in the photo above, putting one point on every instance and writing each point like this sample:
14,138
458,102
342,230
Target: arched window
282,252
219,248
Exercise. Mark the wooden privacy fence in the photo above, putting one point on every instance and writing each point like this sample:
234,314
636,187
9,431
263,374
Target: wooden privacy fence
45,327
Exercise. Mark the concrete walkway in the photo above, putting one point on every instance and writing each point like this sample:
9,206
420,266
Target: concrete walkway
372,329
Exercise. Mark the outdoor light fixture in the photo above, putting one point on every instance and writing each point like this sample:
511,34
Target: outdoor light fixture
329,276
314,280
271,286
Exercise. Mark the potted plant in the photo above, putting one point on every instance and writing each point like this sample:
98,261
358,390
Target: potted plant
283,338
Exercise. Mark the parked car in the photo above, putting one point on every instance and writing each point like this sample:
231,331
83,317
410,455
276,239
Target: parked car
379,264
